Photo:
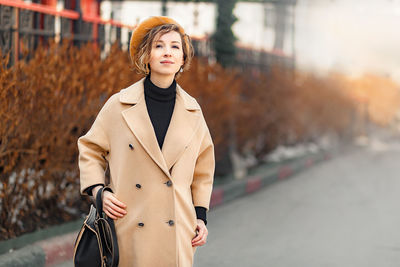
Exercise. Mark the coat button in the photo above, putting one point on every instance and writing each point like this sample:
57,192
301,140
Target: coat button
138,186
171,222
131,146
169,183
141,224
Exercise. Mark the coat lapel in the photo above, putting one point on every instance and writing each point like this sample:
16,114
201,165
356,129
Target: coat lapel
183,125
139,122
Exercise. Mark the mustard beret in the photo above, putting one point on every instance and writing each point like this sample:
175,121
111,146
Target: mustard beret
144,27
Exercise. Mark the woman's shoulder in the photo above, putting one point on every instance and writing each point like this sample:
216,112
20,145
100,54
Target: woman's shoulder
128,95
189,101
132,93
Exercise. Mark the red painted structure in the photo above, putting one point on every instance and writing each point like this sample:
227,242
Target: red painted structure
90,10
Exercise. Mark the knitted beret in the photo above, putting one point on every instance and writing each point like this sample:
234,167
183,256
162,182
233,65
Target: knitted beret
144,27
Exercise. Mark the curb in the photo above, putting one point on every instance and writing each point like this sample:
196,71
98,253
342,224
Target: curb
59,249
48,252
263,177
31,255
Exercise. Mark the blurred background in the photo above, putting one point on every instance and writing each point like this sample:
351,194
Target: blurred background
278,81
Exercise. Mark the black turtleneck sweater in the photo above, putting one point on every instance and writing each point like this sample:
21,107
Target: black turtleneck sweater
160,104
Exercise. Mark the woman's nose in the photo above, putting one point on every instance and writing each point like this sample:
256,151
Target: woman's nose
167,52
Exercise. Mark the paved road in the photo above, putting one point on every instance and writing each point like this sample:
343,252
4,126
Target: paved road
344,212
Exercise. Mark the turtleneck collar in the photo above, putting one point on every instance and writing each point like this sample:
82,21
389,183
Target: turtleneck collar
161,94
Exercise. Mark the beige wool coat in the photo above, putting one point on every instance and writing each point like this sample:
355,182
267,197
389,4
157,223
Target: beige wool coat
160,187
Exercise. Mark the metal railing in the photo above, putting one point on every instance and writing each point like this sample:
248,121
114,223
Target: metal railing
23,26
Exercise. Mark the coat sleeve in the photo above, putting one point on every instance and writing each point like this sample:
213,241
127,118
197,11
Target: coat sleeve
203,176
93,149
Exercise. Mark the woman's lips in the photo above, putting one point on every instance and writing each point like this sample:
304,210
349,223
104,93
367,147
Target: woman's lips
166,62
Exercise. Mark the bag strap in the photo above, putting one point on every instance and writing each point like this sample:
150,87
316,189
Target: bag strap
99,202
114,260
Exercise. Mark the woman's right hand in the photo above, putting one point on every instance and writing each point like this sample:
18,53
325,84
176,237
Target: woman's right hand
112,207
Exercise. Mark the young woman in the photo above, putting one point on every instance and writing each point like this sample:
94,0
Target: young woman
155,140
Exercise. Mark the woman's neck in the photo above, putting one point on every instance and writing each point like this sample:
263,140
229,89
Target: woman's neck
162,81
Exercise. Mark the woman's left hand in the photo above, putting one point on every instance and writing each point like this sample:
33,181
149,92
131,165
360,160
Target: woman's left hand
202,234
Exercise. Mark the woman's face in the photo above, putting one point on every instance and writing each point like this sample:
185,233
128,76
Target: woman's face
166,56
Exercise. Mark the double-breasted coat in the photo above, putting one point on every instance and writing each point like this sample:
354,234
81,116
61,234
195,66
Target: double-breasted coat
160,187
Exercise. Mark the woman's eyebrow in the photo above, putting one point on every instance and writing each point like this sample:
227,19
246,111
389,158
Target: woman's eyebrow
171,42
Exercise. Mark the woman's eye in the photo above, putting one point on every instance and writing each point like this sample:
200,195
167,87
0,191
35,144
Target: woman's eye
174,46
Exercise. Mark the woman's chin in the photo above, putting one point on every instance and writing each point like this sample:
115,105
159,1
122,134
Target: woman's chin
165,72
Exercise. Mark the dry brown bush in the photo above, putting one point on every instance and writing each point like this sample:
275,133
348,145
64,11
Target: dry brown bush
46,104
276,109
380,94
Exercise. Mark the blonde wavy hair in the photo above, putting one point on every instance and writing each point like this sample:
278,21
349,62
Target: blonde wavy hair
142,57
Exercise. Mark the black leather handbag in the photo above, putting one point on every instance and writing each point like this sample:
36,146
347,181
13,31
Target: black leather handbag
96,244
